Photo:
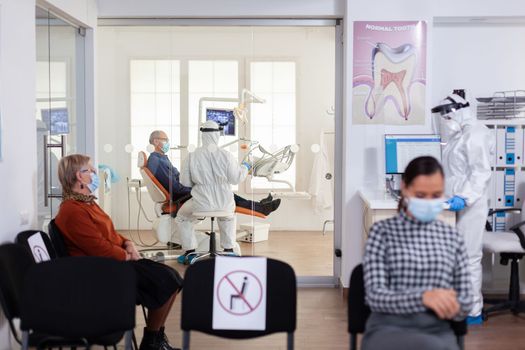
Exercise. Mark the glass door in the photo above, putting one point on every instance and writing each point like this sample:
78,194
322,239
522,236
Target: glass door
59,104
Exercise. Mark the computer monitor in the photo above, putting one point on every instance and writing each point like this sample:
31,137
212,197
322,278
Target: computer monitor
401,149
57,120
223,117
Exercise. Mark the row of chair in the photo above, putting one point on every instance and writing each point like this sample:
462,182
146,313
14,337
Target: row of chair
63,302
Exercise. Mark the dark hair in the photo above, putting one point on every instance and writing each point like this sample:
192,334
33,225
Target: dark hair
419,166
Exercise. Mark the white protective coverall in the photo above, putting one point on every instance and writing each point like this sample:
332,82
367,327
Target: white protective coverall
209,171
466,160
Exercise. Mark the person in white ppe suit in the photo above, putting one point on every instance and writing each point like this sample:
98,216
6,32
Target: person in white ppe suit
209,171
466,161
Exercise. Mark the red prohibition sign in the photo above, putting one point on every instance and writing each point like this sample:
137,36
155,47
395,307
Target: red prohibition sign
227,281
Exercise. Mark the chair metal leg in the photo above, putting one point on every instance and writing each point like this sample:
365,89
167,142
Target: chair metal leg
290,341
128,340
461,342
185,340
353,341
134,338
25,340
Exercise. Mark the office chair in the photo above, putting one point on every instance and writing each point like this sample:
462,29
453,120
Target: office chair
510,245
88,298
358,311
197,302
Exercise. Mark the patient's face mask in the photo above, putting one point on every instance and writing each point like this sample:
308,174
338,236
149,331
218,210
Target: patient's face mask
165,147
425,210
95,181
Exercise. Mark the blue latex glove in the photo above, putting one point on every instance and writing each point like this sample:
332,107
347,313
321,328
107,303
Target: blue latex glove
456,203
247,165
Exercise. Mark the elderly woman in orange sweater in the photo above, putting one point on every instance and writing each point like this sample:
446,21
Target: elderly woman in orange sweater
89,231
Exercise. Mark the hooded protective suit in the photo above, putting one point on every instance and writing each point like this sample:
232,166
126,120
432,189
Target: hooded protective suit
209,171
466,160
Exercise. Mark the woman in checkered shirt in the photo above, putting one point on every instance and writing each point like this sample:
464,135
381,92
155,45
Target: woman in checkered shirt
415,269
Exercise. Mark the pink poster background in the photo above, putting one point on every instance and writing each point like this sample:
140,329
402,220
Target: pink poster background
382,109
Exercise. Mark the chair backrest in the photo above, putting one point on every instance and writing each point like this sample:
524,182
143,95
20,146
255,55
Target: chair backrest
281,300
156,191
15,260
39,253
57,238
358,311
79,297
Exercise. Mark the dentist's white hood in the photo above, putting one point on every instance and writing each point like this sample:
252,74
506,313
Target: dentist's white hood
210,171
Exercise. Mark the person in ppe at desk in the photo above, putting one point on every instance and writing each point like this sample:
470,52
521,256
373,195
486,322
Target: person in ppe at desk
466,159
209,171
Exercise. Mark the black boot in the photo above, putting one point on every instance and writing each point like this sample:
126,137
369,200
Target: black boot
268,199
164,342
155,341
149,340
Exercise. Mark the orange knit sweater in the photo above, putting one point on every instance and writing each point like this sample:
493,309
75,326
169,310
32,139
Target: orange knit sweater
89,231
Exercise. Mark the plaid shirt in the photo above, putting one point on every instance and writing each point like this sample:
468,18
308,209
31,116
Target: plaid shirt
405,257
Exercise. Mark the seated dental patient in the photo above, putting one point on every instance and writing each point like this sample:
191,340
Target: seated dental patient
415,269
168,176
89,231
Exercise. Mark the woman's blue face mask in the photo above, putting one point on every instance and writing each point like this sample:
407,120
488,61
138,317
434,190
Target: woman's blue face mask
95,181
425,210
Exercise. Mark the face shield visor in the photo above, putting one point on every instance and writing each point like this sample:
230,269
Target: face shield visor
443,117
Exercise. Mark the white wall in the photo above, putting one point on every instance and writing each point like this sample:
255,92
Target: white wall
362,140
17,105
223,8
312,48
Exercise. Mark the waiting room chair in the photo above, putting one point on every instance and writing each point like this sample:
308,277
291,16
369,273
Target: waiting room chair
39,253
57,238
197,302
89,298
61,252
510,246
358,311
15,261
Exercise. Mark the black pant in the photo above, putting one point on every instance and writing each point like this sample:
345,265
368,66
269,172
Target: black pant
248,204
239,202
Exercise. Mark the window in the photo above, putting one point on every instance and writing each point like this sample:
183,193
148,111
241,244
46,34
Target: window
273,123
210,79
155,104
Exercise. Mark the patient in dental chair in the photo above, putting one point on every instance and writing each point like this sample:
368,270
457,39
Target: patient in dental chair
168,175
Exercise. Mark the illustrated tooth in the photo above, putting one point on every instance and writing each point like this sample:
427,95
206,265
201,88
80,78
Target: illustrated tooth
393,70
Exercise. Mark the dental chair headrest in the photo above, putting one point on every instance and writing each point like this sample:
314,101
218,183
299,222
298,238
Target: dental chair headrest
142,160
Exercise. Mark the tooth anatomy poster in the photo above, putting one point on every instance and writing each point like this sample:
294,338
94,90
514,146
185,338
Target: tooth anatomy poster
389,82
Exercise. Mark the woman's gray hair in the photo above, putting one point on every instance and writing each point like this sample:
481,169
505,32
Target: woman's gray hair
154,135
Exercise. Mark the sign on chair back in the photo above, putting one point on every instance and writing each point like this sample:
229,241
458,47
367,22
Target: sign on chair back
241,298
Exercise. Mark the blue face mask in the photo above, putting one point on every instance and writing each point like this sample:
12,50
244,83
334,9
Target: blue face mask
94,182
425,210
165,147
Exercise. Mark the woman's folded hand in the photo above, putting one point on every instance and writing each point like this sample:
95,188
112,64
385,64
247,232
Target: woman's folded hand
442,301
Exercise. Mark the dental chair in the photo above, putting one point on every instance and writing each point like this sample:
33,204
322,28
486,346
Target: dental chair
166,210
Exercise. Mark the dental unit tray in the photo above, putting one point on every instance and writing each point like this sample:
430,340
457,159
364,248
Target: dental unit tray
502,105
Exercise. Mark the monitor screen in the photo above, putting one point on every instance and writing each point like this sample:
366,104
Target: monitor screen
223,117
401,149
56,120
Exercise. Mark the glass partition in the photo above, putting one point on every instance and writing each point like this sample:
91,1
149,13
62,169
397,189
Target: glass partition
271,87
59,104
